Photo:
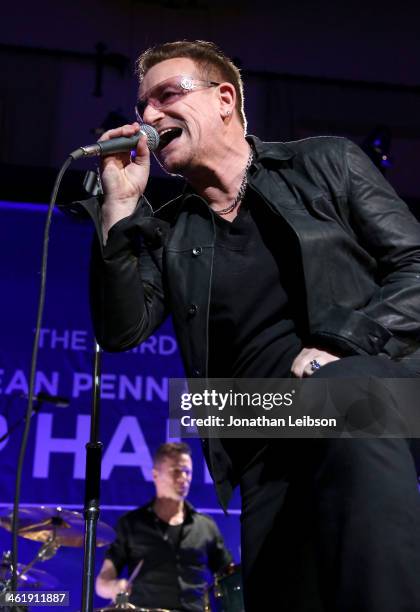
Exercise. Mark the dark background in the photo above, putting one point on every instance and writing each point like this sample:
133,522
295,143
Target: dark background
310,68
66,72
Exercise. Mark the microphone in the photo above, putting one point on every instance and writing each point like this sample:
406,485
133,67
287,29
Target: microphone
57,400
119,145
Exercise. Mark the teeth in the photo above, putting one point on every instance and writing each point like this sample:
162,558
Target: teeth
165,131
167,135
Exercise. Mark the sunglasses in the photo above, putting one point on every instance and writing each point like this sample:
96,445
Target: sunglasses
168,92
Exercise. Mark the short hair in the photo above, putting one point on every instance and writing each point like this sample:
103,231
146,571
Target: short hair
170,450
212,62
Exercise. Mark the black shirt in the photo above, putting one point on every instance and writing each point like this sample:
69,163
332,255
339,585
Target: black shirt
176,558
256,312
254,320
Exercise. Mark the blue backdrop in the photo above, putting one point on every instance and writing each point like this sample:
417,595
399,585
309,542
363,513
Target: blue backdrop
134,407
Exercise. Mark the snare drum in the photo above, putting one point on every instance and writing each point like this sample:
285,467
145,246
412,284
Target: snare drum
225,594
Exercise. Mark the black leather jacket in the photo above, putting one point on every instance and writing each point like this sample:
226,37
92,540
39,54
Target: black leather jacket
358,248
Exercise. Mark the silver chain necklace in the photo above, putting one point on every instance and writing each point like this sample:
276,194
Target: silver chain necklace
241,190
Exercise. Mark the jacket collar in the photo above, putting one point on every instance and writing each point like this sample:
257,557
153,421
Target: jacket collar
269,150
263,150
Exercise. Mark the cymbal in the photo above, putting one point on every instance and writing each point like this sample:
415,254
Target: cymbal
65,526
32,579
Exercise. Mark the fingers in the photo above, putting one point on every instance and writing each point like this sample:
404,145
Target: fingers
125,171
122,159
125,130
142,154
301,363
309,360
312,366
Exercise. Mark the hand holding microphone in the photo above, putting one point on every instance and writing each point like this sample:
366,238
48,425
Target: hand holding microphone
109,143
124,178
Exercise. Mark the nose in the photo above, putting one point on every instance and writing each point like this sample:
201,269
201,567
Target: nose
152,115
184,477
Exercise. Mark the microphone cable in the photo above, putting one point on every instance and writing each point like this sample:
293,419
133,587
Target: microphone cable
31,387
98,149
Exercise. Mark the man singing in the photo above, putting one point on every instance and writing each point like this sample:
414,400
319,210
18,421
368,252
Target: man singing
278,259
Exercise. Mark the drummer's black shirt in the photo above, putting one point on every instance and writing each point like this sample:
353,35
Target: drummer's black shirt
177,559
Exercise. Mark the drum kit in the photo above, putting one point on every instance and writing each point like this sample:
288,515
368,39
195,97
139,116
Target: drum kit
225,594
54,527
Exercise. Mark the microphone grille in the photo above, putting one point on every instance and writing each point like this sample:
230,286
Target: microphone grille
151,135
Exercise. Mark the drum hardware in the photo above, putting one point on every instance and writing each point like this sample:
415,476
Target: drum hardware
207,600
225,594
122,603
54,527
28,577
127,606
116,608
46,552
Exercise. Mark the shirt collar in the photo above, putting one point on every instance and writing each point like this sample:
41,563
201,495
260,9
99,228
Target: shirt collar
189,508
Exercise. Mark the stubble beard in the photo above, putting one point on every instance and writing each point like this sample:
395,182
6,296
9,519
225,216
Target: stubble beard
182,165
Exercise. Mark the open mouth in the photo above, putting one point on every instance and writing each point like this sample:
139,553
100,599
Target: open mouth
167,136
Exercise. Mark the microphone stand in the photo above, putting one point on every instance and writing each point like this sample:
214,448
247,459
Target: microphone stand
92,488
35,409
39,399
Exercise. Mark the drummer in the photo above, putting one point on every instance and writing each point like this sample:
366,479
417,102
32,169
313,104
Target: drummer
167,545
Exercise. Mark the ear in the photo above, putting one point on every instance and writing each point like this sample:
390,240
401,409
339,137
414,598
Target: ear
227,95
154,474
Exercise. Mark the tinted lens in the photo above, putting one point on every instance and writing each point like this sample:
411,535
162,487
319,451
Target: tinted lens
161,95
169,91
